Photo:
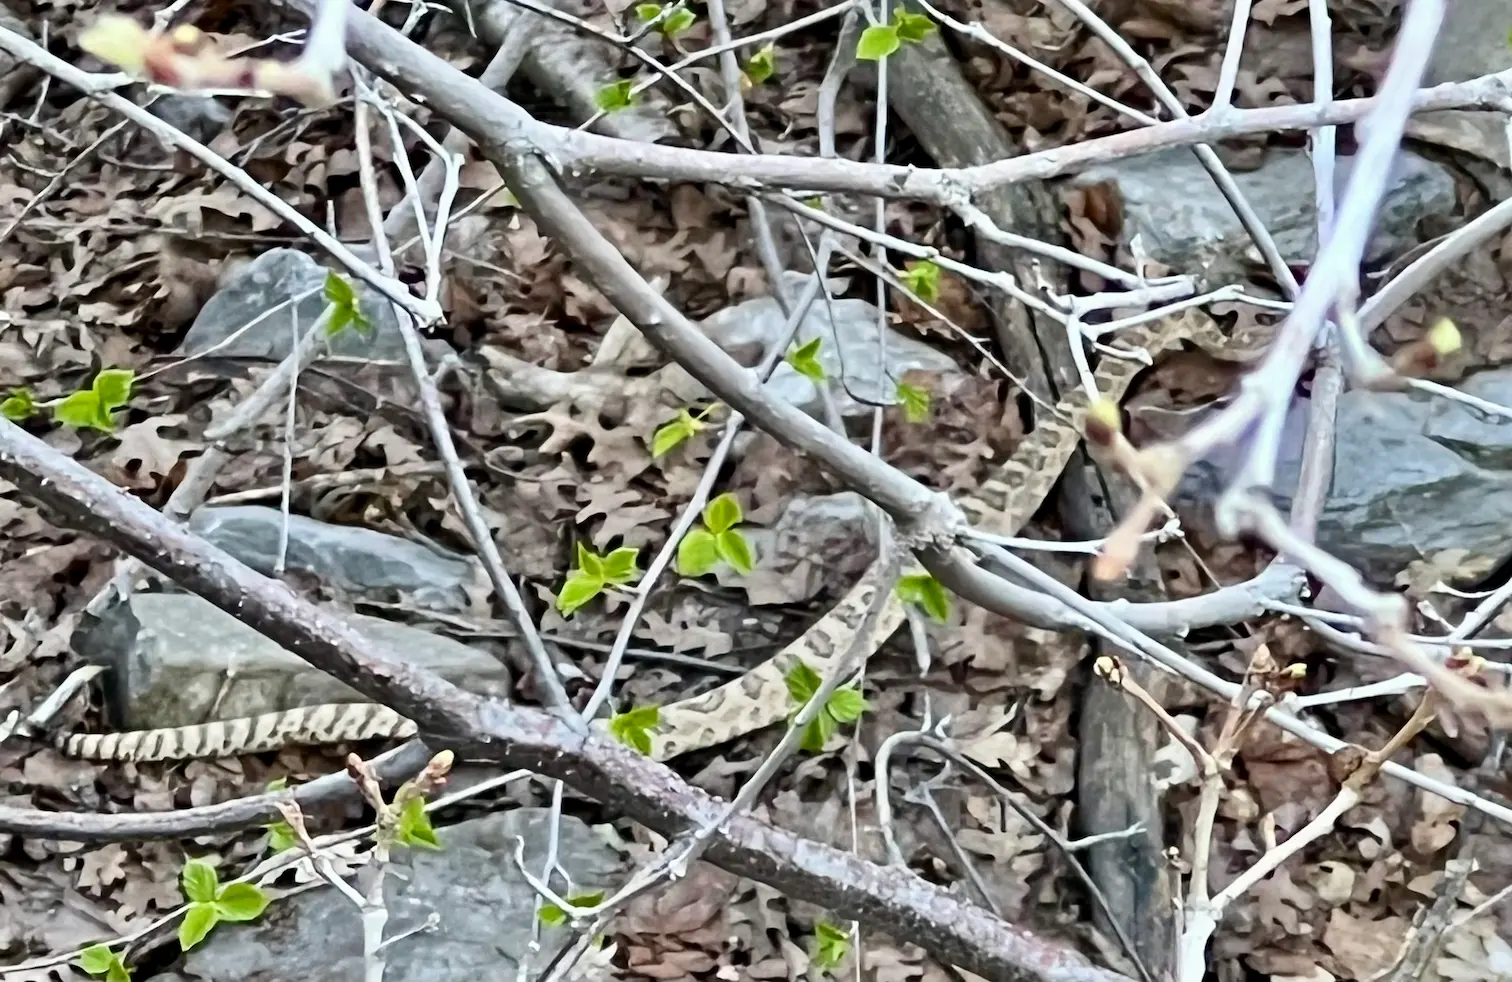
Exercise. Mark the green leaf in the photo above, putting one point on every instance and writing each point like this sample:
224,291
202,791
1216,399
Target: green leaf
615,96
552,916
578,590
200,882
277,784
802,683
672,433
619,565
733,548
677,22
18,405
819,731
877,42
197,922
923,279
722,513
415,828
241,902
113,387
339,321
82,411
911,27
805,361
762,65
97,959
100,960
589,562
280,837
697,553
633,728
648,12
831,945
915,401
926,593
348,312
585,901
846,705
338,292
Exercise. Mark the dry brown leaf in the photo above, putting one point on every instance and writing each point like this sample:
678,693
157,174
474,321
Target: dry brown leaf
684,904
103,867
1474,953
1434,828
1334,881
144,456
1363,947
1280,902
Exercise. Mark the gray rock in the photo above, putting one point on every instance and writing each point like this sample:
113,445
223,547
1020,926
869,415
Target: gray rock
471,887
1184,222
848,350
1413,475
1471,42
170,655
354,559
277,276
201,117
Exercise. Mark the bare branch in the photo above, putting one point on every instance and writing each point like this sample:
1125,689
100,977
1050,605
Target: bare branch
952,929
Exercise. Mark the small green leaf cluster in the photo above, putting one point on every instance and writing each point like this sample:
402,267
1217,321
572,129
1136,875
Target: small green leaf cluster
805,361
915,402
404,820
346,312
761,66
702,549
615,96
678,430
593,574
93,408
671,20
831,945
553,916
881,40
18,406
845,705
634,727
281,836
99,961
414,828
922,279
927,593
210,903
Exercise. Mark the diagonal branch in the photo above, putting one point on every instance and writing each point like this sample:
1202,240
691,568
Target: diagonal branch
499,126
895,901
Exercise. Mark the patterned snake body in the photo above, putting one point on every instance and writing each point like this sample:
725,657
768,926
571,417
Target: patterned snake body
1003,504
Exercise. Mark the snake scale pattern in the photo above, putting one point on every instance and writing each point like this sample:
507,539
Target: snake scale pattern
1002,505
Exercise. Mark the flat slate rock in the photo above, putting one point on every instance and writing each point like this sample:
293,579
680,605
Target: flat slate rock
170,655
482,908
357,560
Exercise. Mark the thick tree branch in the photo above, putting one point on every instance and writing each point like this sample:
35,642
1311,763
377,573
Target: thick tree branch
499,126
891,900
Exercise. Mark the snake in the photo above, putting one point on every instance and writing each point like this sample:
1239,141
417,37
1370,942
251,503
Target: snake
1003,503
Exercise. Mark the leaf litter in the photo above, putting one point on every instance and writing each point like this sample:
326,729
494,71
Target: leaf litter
111,267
